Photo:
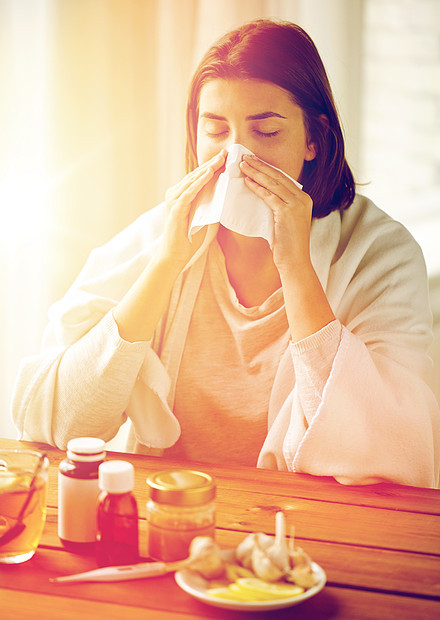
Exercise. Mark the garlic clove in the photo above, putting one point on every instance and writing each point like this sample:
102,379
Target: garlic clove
301,573
303,576
298,557
243,552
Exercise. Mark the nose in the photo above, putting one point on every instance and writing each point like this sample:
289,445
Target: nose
237,137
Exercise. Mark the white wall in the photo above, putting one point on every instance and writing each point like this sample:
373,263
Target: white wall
400,111
400,126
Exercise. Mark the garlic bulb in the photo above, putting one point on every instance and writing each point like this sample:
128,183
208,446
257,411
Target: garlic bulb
264,566
278,552
268,558
273,559
243,552
205,557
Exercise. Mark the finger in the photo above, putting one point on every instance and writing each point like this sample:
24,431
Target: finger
253,166
274,202
182,205
271,186
262,192
174,192
192,190
268,177
215,163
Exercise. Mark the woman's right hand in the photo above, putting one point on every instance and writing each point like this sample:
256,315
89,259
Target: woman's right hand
139,311
177,249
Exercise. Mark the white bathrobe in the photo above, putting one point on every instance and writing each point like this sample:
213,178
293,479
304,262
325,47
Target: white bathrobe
375,419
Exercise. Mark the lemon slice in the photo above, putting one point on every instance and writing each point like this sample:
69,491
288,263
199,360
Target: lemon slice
251,595
11,482
230,595
235,571
8,481
260,588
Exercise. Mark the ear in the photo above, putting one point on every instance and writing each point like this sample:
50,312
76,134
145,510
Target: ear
312,149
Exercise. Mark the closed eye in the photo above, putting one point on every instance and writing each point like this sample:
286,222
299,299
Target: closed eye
216,134
267,134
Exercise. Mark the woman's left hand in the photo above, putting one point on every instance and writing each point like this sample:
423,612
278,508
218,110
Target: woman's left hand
291,208
307,306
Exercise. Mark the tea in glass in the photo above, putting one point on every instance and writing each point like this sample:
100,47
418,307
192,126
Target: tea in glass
23,490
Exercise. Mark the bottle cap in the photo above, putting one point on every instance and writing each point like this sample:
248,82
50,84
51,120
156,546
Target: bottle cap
116,476
184,487
86,449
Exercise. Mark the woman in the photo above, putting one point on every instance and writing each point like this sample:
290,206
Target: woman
308,356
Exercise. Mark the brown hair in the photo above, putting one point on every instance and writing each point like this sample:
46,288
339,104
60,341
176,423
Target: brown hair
283,54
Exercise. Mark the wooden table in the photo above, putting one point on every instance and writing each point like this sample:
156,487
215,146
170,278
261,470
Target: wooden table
379,545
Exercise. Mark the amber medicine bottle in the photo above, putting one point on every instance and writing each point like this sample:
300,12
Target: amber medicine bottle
117,515
78,493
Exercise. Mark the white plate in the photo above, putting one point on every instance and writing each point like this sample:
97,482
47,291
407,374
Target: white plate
193,583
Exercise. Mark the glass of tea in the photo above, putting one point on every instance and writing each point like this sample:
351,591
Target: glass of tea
23,490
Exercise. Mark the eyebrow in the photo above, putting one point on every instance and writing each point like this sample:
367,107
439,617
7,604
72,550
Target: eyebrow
252,117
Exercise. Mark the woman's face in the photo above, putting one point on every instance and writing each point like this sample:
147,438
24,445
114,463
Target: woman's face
257,114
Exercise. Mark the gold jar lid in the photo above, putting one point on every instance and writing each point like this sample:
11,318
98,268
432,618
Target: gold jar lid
183,487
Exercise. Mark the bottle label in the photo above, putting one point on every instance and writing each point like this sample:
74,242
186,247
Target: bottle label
77,502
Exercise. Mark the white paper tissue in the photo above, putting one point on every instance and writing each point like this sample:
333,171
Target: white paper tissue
231,203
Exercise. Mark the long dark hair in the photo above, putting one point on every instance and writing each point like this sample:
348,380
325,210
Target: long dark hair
284,54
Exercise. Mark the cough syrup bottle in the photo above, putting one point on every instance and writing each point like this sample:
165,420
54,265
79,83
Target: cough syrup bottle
117,515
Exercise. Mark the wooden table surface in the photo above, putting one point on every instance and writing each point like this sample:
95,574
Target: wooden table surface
379,545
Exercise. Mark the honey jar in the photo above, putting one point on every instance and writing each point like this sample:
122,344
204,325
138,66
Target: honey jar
181,507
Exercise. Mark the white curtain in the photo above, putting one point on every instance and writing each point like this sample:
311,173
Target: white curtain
92,129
